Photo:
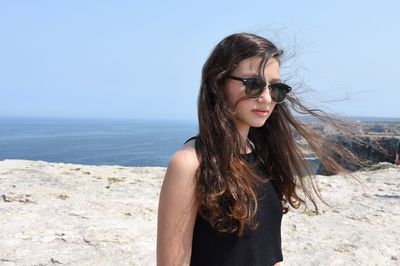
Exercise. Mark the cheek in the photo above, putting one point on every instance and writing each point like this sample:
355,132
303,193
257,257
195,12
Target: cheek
243,105
233,92
272,106
235,97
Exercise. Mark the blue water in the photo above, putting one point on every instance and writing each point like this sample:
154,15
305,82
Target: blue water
95,142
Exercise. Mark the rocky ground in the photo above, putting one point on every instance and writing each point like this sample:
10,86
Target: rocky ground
54,214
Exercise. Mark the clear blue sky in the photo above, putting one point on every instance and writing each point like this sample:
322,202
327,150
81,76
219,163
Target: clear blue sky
142,59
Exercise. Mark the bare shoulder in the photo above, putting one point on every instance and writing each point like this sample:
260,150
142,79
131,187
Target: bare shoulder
184,161
182,168
177,208
186,155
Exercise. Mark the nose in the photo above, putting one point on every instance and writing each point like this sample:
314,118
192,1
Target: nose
265,96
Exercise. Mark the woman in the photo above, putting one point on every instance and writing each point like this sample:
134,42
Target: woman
226,189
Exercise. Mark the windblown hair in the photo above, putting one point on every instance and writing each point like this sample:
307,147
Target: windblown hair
226,183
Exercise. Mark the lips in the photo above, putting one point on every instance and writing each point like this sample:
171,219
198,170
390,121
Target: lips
261,112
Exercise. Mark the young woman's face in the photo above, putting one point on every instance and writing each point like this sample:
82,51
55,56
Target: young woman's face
252,112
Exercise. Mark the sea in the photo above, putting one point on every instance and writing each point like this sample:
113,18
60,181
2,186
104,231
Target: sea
125,142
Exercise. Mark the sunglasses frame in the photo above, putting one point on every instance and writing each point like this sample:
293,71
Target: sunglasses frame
247,82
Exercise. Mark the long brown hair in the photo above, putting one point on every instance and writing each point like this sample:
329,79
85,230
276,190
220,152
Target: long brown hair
225,181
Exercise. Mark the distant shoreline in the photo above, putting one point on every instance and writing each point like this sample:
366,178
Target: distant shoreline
363,119
126,142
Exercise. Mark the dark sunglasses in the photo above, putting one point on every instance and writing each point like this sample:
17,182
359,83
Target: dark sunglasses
255,87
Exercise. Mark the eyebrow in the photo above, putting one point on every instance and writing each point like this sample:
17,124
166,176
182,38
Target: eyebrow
255,75
250,75
274,81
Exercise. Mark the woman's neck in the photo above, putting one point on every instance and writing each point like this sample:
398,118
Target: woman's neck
244,132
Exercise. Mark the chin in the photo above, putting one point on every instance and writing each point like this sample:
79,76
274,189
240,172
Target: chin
258,123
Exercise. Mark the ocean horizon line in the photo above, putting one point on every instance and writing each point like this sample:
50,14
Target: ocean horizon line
108,141
100,118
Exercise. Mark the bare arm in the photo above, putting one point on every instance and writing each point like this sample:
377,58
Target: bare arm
177,210
397,160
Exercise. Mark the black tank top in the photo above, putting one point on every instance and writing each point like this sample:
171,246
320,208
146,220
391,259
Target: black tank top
261,246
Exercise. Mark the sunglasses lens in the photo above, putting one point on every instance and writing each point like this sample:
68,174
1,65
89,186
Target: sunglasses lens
278,91
254,88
